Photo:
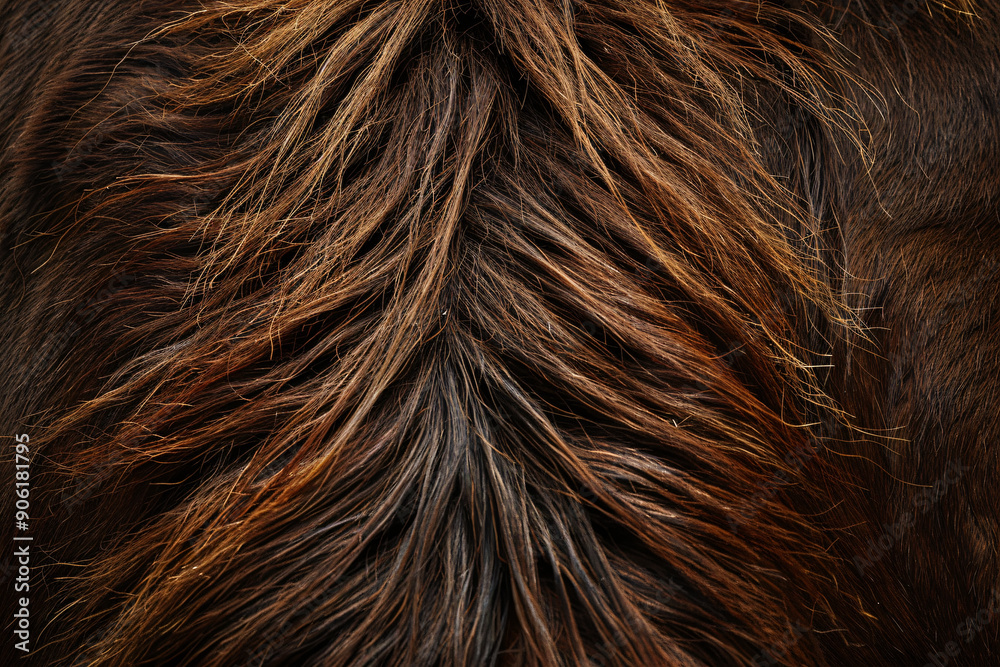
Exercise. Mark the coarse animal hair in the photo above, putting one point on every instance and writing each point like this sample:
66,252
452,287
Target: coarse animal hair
503,332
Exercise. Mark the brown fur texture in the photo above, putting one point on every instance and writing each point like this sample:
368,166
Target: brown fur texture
503,332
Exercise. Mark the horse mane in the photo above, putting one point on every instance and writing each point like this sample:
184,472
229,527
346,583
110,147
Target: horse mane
430,332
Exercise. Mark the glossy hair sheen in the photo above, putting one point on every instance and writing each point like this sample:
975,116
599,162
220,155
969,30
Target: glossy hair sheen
503,332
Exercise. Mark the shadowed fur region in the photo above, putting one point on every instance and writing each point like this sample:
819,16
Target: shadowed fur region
502,332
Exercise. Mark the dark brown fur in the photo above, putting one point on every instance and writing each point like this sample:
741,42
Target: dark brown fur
506,332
